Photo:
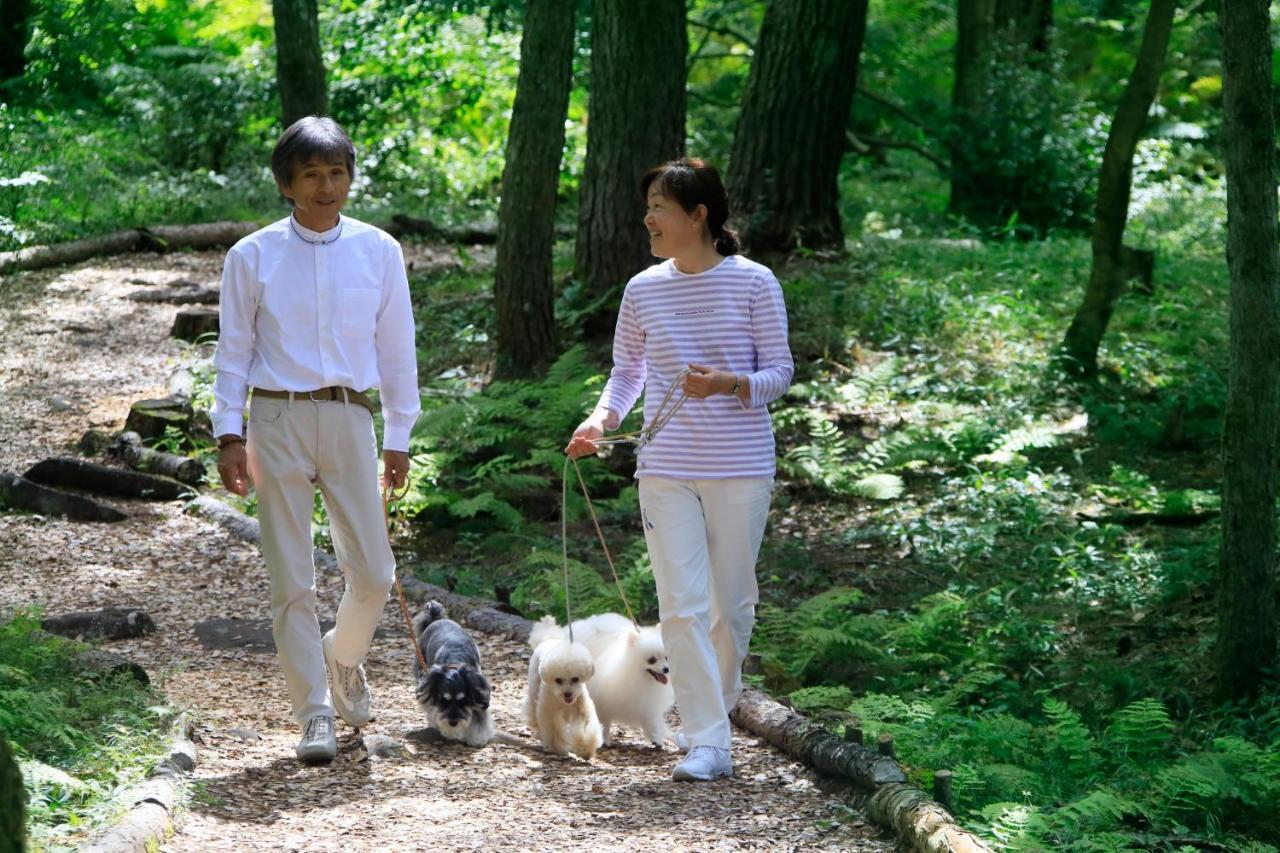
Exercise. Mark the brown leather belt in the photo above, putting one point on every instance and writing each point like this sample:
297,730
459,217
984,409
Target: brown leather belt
330,394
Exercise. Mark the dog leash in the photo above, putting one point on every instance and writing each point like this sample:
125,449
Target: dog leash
388,496
665,412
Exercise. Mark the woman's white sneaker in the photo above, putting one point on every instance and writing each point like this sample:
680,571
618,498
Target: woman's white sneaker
702,764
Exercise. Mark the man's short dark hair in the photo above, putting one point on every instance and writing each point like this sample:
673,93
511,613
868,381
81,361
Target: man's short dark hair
311,138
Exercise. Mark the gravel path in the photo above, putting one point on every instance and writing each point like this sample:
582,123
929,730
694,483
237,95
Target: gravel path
74,353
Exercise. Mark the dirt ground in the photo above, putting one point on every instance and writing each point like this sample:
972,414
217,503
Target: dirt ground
75,351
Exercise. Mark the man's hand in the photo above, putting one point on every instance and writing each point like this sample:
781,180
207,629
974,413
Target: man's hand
703,381
395,468
233,468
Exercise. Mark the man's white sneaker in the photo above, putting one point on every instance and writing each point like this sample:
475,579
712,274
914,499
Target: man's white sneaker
702,764
319,741
348,687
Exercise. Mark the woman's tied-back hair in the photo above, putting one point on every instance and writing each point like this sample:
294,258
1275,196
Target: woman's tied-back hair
692,181
312,138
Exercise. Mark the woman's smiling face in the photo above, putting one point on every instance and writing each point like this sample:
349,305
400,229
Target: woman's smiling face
672,230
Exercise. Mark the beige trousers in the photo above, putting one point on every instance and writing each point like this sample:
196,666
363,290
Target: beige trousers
294,447
703,538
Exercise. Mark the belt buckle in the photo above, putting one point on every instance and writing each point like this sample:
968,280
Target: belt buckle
328,397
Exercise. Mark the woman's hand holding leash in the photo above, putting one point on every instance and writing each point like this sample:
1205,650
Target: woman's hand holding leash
585,437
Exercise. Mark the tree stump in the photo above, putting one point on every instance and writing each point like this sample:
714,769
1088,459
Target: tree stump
113,623
191,324
129,450
13,796
148,418
93,442
22,494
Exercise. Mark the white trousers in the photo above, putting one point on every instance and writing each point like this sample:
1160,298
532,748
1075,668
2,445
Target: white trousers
704,537
295,446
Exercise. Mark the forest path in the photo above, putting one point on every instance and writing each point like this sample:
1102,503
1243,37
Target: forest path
75,352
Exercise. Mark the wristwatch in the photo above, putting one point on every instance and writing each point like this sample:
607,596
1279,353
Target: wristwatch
737,383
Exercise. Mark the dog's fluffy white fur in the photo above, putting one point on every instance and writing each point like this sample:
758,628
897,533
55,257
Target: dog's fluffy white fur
557,707
631,686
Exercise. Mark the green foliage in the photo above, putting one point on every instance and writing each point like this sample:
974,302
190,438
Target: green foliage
103,732
1056,784
491,458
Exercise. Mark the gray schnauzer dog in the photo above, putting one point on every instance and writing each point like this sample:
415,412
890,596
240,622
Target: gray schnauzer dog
453,692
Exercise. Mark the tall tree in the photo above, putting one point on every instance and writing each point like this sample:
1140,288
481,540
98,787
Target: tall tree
13,797
636,121
1001,45
1246,643
15,29
1111,209
522,288
791,132
299,65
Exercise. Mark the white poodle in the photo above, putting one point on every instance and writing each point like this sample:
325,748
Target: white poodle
557,706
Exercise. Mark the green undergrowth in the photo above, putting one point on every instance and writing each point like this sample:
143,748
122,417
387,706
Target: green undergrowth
79,738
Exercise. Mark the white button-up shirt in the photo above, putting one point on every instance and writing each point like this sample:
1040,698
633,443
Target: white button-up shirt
302,310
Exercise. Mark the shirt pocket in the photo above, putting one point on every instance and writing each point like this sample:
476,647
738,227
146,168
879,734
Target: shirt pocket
359,312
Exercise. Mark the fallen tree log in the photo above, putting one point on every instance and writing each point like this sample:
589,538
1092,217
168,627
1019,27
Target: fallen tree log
70,473
100,664
193,295
112,623
920,822
213,235
164,238
129,450
22,494
800,738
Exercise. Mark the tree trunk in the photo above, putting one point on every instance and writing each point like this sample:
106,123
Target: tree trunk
523,290
299,65
1246,642
637,113
987,32
1111,209
15,29
13,801
791,132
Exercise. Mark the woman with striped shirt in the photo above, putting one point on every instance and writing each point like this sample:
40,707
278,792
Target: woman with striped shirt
706,478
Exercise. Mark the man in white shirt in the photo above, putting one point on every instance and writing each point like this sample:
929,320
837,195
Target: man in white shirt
314,312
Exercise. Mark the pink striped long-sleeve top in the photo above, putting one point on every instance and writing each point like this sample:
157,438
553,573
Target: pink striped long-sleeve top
730,317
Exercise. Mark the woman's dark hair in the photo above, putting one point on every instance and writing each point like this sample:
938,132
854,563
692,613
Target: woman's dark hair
692,181
308,138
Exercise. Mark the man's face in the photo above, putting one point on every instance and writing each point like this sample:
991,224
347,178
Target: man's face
318,190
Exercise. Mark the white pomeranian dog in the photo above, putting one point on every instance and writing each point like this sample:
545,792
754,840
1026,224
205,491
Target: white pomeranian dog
631,686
